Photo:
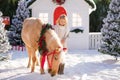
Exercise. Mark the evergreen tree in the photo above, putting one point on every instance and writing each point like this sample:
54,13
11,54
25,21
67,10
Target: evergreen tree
4,44
111,30
22,13
98,15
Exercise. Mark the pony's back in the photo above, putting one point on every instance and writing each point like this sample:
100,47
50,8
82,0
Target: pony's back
31,31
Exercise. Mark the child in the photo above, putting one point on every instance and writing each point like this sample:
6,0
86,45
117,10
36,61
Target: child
62,31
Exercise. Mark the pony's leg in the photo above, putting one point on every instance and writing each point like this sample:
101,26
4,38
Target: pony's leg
33,59
62,64
61,68
30,57
37,62
42,62
49,63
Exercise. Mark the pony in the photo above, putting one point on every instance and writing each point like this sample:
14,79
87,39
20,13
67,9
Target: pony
30,34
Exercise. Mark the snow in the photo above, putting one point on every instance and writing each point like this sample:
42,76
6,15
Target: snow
80,65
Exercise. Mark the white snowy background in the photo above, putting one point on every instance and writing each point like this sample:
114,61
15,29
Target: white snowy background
80,65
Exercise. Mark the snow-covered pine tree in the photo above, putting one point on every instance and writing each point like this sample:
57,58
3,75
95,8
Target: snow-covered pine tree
22,13
111,30
4,44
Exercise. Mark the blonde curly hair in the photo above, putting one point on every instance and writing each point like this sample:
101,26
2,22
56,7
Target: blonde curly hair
63,16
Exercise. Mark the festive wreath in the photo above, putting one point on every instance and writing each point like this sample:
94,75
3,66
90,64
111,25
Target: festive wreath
77,30
59,2
41,42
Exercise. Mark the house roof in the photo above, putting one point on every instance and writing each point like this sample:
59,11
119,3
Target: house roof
91,3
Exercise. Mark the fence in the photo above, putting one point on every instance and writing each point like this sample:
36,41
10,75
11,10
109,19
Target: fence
18,48
94,40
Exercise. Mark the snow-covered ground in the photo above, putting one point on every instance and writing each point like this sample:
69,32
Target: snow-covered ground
80,65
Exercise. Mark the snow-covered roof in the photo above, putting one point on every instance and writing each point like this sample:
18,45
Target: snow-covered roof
91,3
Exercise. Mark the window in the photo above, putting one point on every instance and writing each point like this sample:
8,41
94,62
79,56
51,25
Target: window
76,20
44,17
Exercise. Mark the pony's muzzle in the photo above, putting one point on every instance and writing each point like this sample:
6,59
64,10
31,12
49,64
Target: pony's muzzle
53,73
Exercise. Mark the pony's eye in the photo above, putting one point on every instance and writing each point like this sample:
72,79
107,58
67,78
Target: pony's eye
56,57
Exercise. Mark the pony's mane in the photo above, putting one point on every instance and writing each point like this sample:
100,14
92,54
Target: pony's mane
54,40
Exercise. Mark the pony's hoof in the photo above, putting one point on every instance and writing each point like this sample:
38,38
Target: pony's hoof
32,71
28,66
42,71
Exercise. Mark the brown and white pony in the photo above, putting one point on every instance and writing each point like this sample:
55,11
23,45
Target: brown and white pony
30,35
